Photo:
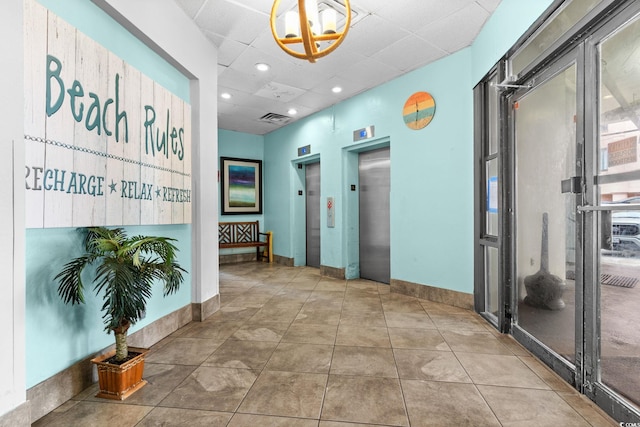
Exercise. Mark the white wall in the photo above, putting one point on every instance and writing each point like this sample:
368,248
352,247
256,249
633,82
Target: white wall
189,50
12,286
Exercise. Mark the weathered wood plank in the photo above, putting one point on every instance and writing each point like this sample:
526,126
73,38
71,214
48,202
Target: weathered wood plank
88,124
35,36
60,126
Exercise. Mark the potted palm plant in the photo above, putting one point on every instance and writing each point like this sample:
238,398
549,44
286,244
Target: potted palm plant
126,268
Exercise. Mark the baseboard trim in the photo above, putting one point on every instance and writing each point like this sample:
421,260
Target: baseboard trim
55,390
17,417
203,310
63,386
287,262
235,258
431,293
333,272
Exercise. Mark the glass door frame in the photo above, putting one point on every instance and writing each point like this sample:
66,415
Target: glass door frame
483,237
582,42
570,372
604,396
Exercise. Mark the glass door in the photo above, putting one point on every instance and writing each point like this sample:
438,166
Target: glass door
547,271
570,221
613,367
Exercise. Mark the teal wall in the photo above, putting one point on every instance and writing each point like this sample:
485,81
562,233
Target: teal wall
73,333
244,146
431,188
431,169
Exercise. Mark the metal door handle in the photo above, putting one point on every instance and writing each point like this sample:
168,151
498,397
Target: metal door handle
589,208
571,185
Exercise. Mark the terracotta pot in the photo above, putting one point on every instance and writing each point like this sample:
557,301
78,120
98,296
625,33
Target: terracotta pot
118,382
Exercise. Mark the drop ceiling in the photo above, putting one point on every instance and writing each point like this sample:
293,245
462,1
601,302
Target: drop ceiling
387,39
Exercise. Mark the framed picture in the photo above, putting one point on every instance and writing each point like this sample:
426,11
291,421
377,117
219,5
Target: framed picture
241,189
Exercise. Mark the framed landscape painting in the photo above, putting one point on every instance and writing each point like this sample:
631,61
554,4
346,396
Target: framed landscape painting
241,186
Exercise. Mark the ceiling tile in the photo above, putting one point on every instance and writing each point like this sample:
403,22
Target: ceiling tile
315,101
279,92
450,37
370,71
349,87
229,108
241,124
190,7
331,65
240,81
251,114
269,105
409,53
284,68
301,78
302,110
370,6
232,21
417,14
264,6
238,97
370,34
228,49
259,106
388,40
489,5
265,43
251,56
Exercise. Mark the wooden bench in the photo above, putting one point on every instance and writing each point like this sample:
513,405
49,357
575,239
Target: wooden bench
243,235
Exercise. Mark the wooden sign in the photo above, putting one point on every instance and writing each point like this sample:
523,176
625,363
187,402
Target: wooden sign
105,144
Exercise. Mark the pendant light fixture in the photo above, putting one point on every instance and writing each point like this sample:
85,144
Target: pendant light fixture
311,28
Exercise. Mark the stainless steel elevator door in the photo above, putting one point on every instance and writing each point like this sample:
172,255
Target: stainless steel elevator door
312,184
375,185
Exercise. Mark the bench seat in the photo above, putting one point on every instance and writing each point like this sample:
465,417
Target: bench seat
243,235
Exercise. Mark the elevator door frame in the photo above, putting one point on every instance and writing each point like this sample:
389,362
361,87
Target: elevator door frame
349,203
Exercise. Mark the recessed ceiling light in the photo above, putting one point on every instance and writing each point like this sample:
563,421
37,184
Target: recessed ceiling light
336,89
260,66
293,111
225,95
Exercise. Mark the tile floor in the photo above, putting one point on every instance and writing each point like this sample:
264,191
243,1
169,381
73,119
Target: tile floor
292,348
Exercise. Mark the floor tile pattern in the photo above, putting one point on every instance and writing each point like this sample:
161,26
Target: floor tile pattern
291,348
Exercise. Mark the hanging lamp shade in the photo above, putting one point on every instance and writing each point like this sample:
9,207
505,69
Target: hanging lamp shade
311,29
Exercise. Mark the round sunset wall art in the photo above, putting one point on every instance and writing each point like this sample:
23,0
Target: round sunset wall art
419,110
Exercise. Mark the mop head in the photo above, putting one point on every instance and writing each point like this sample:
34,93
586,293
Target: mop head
544,290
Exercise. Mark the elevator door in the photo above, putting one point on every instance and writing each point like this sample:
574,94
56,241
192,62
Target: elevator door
375,185
312,183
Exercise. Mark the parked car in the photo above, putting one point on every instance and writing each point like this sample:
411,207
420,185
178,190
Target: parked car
625,233
628,201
